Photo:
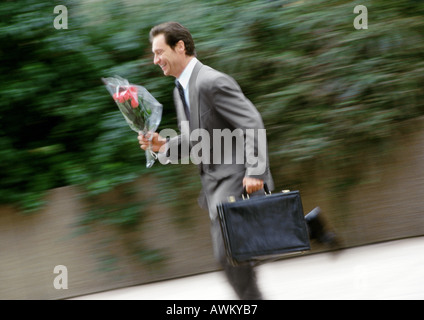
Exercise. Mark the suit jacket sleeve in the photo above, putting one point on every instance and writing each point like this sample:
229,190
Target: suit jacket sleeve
231,104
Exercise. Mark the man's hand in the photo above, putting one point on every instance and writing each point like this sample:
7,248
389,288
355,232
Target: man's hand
252,184
157,142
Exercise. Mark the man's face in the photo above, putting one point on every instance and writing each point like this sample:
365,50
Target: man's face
170,60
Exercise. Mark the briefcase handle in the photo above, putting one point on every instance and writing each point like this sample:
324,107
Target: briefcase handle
246,195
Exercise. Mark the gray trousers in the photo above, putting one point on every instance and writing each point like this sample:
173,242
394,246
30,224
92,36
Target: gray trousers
242,277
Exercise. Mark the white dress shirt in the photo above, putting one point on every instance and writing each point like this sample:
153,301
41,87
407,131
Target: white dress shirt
185,77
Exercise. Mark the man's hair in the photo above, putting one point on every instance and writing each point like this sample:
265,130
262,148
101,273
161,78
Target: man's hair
174,32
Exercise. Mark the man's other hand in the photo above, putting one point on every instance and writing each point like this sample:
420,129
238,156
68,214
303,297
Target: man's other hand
252,184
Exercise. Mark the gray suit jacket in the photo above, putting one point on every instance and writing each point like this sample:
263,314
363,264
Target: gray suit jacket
226,134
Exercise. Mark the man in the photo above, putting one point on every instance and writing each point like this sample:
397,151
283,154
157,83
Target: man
209,100
215,101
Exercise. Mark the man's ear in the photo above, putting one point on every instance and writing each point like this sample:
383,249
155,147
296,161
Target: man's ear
180,46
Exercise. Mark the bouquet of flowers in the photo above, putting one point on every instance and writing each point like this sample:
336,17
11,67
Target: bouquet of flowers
140,109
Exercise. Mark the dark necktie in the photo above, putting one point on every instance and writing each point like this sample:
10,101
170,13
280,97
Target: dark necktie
182,96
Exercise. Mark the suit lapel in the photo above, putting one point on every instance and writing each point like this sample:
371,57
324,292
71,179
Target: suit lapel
194,97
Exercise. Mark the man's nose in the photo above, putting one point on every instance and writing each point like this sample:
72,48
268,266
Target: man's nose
155,59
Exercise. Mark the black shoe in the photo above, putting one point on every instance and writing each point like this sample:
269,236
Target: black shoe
317,230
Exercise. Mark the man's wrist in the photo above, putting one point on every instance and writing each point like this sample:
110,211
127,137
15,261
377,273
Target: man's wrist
163,147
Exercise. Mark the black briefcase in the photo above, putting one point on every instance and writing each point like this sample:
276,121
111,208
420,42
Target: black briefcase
265,227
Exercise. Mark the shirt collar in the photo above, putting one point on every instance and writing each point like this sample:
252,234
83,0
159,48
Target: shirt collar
186,74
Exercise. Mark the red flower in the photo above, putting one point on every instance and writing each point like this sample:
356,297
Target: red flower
128,94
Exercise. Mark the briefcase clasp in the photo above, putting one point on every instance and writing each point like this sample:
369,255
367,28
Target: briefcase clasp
231,199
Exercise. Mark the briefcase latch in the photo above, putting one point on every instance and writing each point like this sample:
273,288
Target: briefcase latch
231,199
285,191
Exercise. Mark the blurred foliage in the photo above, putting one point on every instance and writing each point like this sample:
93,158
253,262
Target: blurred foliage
328,93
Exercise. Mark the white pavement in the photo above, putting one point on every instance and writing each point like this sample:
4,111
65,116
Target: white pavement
385,271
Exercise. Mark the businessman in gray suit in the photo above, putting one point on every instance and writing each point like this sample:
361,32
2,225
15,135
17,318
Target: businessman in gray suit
208,101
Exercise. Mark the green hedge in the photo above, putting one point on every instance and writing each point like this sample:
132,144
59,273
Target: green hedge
325,89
